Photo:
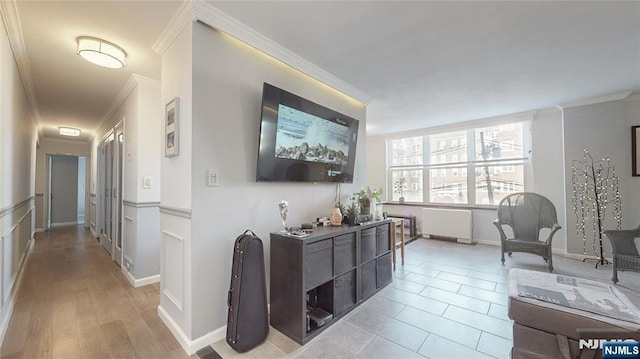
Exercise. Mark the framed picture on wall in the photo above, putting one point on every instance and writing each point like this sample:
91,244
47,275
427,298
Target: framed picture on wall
635,151
171,122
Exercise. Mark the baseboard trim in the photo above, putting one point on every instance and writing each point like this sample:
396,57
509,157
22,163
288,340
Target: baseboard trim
63,224
14,294
556,251
188,345
38,230
136,283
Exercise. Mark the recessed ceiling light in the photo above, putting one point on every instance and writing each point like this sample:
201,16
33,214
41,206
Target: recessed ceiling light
68,131
101,52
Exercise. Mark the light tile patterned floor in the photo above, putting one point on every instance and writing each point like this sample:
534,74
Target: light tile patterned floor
447,301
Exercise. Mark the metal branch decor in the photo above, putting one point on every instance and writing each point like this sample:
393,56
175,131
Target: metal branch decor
595,192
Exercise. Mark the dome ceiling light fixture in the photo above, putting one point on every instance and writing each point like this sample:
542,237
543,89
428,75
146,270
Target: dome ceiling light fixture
69,131
101,52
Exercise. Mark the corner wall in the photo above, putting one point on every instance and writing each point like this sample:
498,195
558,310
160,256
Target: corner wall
227,95
138,106
604,130
219,129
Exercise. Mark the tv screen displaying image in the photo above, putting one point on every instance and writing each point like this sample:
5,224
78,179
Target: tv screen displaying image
303,136
302,141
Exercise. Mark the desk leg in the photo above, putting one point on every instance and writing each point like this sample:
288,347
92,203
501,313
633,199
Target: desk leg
392,238
401,243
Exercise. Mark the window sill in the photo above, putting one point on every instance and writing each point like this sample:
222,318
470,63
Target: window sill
443,205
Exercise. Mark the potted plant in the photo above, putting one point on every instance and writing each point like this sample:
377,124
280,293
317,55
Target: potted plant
365,196
398,187
352,211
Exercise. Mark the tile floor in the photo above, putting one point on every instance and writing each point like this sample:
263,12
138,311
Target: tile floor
447,301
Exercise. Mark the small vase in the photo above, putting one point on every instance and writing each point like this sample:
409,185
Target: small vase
377,214
401,199
336,217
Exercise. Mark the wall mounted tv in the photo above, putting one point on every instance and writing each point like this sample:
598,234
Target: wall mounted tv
301,141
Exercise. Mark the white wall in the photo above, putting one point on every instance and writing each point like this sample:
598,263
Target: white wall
18,138
222,132
548,167
175,194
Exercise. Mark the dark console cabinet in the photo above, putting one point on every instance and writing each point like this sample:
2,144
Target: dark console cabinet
334,269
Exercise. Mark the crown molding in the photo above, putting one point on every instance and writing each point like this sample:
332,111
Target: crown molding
11,19
204,12
134,81
185,15
633,97
594,100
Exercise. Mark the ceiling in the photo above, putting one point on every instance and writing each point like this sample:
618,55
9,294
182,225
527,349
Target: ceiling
422,63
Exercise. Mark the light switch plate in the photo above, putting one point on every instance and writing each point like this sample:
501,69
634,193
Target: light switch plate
146,182
213,178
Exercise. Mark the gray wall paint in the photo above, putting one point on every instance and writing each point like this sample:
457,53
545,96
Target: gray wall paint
227,92
603,130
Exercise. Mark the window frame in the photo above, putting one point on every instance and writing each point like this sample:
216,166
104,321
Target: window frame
466,168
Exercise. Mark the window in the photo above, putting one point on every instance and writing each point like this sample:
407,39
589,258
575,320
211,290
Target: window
507,127
491,157
507,146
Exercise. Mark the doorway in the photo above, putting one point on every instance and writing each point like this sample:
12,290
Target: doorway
66,184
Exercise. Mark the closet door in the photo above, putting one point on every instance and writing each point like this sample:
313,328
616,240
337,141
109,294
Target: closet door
106,235
116,201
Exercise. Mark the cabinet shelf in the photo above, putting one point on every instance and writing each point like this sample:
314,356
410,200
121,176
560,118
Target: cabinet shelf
334,268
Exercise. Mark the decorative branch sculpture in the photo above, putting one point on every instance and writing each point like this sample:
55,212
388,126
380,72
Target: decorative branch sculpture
595,187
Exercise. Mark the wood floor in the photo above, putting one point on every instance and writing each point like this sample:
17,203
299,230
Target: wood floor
75,303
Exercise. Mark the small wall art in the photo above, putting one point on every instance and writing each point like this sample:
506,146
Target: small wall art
635,151
171,125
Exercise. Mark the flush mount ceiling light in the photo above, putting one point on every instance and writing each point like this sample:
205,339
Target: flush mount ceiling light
68,131
101,52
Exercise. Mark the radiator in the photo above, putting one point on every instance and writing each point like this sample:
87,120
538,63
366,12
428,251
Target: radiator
452,223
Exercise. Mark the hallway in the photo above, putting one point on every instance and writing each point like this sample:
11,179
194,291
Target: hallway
75,303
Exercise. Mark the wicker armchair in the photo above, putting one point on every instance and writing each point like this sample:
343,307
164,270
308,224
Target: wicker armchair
527,213
625,252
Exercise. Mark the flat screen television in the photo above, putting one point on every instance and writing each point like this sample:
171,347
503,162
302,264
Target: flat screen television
301,141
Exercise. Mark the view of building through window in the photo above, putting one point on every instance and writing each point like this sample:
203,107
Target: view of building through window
454,172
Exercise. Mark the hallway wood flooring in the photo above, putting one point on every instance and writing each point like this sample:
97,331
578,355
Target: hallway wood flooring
75,303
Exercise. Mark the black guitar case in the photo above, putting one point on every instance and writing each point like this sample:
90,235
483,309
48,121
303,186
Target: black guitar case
248,319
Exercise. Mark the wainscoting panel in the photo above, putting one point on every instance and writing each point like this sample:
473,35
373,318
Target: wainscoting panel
175,271
16,234
142,242
174,274
92,213
130,237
